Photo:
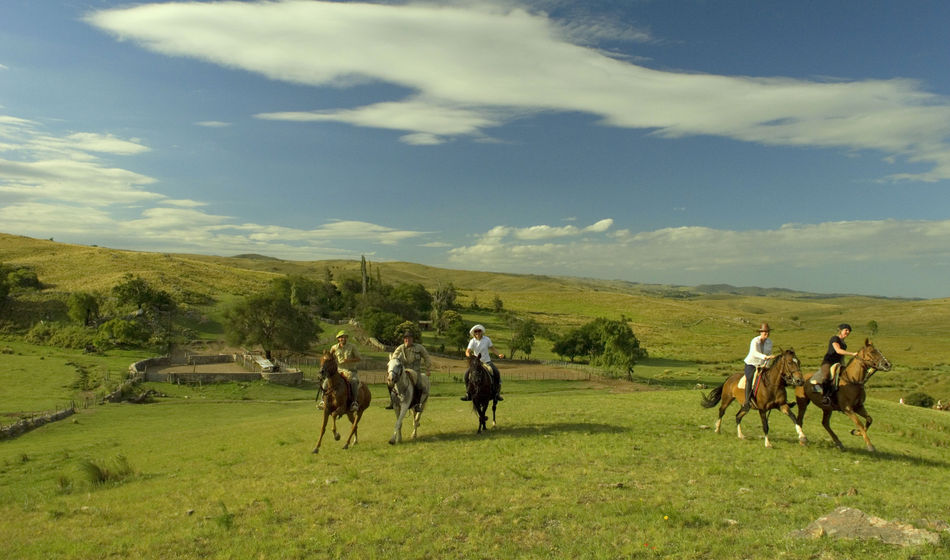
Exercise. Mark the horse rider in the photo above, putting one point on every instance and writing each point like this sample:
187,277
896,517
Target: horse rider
481,345
412,355
837,350
346,357
760,352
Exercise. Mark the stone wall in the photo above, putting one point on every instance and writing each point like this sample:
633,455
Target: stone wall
27,424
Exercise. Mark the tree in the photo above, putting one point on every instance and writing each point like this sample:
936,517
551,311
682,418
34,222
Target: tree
872,327
382,325
83,308
408,326
136,292
608,343
443,299
453,326
270,320
523,333
620,349
497,304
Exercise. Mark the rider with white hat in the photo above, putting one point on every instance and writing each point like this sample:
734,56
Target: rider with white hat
482,346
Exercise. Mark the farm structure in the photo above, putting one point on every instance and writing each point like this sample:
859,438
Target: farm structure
215,369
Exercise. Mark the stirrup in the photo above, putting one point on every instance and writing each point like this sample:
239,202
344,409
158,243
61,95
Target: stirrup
816,388
466,398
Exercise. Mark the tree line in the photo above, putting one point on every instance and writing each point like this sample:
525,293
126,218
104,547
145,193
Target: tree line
285,318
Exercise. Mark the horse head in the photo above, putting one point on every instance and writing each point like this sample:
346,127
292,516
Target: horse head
474,363
791,369
328,365
394,371
873,357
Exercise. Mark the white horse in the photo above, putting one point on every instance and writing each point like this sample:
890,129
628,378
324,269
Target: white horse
411,390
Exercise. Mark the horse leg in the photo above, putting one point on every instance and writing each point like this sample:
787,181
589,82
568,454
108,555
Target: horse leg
494,404
416,420
802,440
356,422
826,422
862,429
323,429
802,401
739,416
765,427
336,434
397,431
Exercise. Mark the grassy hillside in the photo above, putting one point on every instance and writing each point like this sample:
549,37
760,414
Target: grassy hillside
706,324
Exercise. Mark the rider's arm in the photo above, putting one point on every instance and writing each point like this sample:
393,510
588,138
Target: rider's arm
842,351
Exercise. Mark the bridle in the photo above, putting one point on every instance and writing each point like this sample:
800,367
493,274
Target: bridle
872,366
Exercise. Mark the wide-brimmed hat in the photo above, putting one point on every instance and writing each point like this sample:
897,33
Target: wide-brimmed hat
341,333
764,327
472,330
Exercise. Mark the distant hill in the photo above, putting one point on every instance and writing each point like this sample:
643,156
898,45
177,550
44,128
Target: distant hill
700,323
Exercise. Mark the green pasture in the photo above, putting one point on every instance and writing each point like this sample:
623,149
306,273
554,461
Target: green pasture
570,471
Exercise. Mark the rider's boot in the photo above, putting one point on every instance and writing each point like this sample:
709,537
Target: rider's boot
467,397
392,400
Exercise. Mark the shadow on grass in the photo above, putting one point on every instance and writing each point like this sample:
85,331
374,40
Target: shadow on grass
884,455
529,430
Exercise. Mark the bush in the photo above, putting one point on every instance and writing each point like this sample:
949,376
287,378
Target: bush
919,399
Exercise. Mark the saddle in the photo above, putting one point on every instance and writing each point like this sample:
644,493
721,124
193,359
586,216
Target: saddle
755,380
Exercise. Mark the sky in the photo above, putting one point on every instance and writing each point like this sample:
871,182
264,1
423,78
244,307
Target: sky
799,145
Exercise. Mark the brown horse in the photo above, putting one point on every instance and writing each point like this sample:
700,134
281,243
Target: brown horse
770,394
482,389
849,394
336,401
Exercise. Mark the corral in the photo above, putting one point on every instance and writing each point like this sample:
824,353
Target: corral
215,369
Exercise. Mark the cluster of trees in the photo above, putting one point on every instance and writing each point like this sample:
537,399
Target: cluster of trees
605,342
14,278
286,315
132,314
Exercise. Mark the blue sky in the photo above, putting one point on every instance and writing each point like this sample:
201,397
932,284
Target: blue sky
802,145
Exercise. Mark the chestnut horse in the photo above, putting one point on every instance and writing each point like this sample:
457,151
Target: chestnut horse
412,391
336,401
785,370
849,394
482,389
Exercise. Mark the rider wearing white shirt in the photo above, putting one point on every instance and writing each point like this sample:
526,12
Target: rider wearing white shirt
481,345
760,352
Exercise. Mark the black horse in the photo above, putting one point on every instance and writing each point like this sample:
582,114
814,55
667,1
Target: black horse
482,389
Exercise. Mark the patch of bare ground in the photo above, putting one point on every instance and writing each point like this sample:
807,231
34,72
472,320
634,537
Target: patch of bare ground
530,370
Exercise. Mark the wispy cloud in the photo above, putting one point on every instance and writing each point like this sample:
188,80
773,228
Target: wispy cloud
470,67
692,255
213,124
62,186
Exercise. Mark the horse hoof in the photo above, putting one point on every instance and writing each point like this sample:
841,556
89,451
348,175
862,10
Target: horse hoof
315,450
392,442
336,437
803,442
871,448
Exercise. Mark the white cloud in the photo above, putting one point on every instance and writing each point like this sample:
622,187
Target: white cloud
474,66
213,124
795,254
61,187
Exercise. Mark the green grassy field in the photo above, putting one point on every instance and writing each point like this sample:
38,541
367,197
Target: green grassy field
570,471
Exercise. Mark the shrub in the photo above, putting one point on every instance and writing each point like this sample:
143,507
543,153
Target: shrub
101,472
919,399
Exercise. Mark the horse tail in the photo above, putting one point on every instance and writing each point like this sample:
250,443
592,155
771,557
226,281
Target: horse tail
713,397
